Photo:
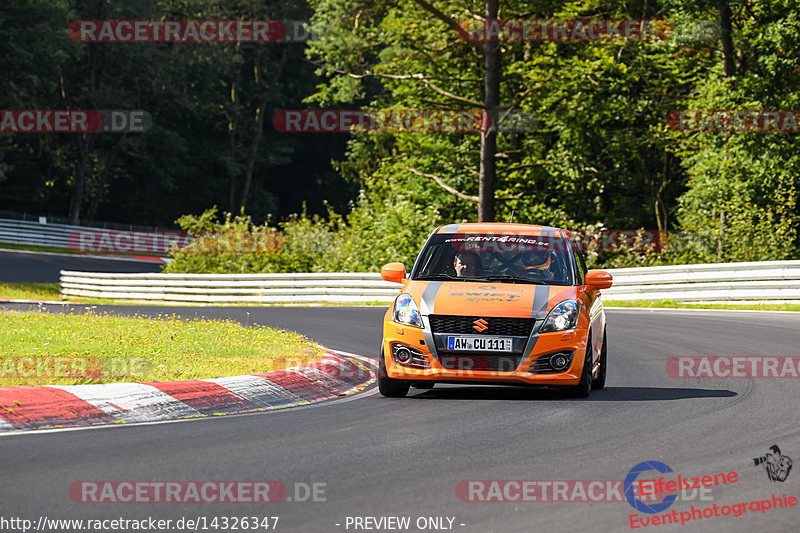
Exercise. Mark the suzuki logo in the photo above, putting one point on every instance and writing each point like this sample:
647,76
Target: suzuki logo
480,325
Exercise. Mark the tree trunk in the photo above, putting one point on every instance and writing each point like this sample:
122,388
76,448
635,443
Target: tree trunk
660,209
98,198
253,153
726,38
85,146
230,164
491,100
259,133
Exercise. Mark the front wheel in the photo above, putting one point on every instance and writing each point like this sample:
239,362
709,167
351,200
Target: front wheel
600,382
390,387
584,387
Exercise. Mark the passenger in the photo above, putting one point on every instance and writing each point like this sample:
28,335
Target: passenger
467,265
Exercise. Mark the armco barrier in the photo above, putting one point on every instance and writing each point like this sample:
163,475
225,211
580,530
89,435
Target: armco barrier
757,281
231,288
29,232
38,234
712,282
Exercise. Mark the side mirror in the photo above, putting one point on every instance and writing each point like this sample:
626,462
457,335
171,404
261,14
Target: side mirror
597,279
394,272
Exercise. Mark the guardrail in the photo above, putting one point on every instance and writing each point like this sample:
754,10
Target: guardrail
760,281
713,282
36,233
66,236
231,288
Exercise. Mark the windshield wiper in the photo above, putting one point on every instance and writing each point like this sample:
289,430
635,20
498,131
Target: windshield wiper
517,279
439,277
448,277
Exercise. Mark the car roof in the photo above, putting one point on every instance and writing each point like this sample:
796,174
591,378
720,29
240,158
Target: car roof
500,228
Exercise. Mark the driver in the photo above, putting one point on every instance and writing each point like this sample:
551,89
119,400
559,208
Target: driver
467,265
537,265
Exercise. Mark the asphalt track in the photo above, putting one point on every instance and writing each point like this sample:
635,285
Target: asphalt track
36,267
405,457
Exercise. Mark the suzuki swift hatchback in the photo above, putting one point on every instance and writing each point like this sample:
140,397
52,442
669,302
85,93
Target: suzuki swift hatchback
498,304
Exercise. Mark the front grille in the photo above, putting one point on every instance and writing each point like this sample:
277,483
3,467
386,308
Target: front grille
518,327
493,362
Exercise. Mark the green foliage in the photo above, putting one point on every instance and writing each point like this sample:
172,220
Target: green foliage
598,156
204,100
601,155
743,187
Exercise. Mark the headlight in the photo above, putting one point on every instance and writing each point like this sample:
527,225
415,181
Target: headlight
406,311
562,316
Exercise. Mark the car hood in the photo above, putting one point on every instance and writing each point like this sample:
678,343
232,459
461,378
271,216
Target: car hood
516,300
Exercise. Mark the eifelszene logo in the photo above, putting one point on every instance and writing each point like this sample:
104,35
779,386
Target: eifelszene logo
630,480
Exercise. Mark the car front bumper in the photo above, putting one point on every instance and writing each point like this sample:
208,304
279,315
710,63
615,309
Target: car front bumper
513,368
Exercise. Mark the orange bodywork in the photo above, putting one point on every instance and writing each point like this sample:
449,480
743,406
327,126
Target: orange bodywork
487,302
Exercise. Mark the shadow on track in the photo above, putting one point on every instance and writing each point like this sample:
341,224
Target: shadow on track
609,394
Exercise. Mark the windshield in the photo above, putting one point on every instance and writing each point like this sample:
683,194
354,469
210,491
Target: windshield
507,258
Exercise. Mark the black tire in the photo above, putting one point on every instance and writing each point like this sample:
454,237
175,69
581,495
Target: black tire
390,387
584,387
425,385
600,382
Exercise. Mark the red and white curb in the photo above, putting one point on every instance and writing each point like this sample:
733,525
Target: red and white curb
56,406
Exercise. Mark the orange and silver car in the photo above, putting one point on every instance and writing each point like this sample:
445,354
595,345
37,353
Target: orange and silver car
498,304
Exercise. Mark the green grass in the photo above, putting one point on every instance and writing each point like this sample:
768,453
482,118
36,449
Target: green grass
34,248
41,348
671,304
29,291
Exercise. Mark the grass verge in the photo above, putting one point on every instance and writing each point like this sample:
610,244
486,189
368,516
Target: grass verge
49,349
30,291
34,248
671,304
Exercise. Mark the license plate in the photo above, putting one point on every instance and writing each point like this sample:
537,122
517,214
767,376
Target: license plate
479,344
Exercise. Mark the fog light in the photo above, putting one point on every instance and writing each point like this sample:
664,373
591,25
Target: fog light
403,356
407,356
559,362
